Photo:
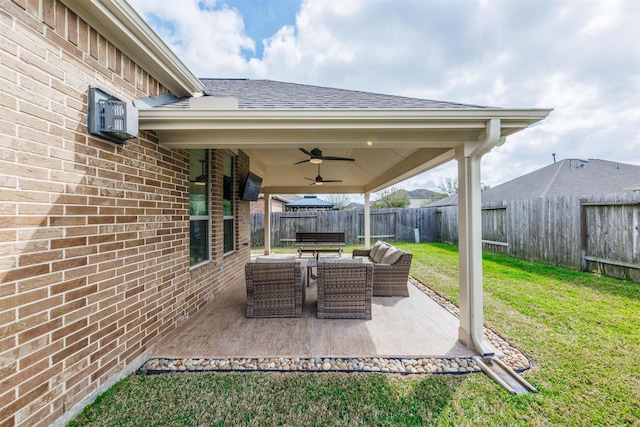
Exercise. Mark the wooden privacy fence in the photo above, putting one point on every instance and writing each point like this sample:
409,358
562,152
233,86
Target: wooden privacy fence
386,224
585,233
588,233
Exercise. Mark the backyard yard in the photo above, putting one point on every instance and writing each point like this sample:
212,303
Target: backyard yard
580,330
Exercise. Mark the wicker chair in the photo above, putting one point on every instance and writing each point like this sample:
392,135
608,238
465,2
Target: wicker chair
274,289
389,279
344,290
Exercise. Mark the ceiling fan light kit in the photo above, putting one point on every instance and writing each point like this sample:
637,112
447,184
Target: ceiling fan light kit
316,157
318,180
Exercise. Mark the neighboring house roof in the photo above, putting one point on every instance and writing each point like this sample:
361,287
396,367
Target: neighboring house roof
564,178
422,193
353,205
310,201
285,198
269,94
447,201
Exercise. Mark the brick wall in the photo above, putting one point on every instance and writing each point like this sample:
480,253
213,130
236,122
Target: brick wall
94,256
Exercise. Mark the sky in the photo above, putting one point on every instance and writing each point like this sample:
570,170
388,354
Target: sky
579,57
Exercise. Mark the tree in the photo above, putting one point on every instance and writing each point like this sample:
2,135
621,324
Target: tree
339,201
391,198
449,186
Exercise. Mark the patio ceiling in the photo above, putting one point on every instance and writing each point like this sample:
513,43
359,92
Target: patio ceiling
388,145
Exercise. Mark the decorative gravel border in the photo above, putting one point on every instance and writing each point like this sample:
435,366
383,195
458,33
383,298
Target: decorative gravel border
459,365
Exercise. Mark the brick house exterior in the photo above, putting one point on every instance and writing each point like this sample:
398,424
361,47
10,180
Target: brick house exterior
94,236
96,244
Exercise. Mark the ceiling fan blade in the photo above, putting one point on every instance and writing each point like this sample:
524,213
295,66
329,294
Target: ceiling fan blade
302,161
310,179
305,151
331,180
338,158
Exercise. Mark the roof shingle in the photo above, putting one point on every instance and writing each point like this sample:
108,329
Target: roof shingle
269,94
564,178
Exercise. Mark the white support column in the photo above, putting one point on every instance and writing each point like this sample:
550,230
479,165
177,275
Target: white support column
367,221
267,224
471,330
470,250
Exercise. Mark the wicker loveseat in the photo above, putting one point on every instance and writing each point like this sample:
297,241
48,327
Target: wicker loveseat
275,289
390,269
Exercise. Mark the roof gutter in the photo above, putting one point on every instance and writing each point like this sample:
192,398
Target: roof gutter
119,23
510,120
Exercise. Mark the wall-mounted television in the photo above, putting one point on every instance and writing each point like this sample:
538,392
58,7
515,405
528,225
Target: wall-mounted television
252,187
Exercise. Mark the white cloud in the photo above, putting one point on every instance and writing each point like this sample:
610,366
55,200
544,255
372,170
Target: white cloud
581,58
207,36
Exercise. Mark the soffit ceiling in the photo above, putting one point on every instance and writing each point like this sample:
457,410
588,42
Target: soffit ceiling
403,143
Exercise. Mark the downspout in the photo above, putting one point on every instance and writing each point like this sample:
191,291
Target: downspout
491,139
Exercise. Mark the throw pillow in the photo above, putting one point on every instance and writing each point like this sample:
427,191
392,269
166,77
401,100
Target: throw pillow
392,256
375,248
381,252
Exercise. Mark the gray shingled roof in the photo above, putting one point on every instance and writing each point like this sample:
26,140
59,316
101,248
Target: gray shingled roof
564,178
422,193
269,94
309,201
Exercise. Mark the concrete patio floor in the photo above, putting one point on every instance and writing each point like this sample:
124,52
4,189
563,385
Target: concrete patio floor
411,327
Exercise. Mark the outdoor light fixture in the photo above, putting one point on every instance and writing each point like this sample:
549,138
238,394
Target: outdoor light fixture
111,118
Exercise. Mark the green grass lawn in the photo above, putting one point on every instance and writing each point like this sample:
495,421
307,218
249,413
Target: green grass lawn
581,331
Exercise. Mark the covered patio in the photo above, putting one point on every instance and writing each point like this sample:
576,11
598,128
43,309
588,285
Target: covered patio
389,139
413,327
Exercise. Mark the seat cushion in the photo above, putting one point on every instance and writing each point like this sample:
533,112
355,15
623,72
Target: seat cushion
356,260
392,256
277,260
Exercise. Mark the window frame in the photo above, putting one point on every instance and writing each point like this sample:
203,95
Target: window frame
232,217
207,217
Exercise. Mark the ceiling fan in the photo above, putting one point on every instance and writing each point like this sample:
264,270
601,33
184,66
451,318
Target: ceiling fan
202,179
318,180
316,157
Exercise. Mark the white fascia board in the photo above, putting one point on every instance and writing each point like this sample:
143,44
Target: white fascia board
119,23
185,119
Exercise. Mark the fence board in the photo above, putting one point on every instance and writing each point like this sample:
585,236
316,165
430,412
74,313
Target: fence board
546,230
